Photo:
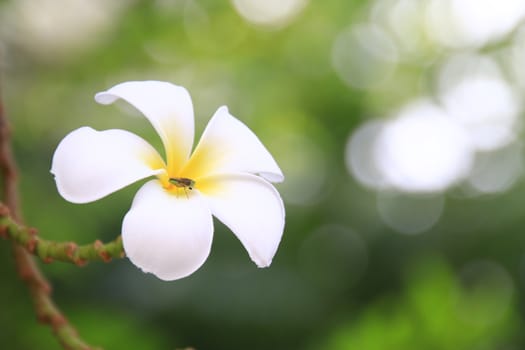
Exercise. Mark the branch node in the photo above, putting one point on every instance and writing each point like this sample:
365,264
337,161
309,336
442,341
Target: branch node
56,321
31,244
71,248
106,257
98,245
99,248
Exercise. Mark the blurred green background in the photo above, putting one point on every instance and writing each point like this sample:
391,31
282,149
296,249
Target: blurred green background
435,260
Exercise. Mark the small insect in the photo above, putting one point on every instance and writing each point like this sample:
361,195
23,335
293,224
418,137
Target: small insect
183,182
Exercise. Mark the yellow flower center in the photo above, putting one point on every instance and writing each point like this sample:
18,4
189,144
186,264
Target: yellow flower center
192,174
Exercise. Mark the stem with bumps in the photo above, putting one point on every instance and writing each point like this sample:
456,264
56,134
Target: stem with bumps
50,251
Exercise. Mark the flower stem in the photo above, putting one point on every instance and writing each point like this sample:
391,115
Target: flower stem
50,251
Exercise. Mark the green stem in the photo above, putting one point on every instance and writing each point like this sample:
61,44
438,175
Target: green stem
50,251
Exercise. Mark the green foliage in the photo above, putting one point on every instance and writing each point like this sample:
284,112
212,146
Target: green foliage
119,328
436,311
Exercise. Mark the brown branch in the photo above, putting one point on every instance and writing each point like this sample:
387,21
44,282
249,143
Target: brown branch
29,272
50,251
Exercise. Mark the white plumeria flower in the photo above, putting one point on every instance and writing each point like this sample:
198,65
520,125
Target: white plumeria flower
168,230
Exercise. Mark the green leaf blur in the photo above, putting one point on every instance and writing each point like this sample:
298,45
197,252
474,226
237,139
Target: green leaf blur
343,277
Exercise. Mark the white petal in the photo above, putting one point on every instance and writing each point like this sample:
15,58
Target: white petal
167,234
169,109
90,164
252,208
226,146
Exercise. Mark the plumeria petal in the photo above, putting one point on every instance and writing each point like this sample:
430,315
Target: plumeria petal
90,164
252,208
169,109
167,234
228,146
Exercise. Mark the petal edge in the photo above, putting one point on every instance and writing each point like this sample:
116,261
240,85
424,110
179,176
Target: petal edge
90,164
228,146
169,109
252,209
167,235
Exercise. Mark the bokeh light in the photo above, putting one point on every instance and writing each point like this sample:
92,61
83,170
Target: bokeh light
472,23
497,171
364,56
464,131
482,101
410,214
478,22
269,13
360,156
58,29
515,56
403,21
423,150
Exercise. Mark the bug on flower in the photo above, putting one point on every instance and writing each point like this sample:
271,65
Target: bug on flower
183,182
